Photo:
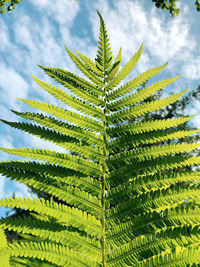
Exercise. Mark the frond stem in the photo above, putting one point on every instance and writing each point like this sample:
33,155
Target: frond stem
104,178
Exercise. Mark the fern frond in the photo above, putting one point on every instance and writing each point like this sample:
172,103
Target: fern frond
63,214
58,174
63,159
142,127
128,195
66,193
153,152
3,240
4,255
150,167
115,66
178,257
71,100
19,262
104,53
61,113
64,141
63,128
125,70
76,84
54,232
134,112
152,222
83,67
170,163
57,254
151,245
142,78
141,95
157,200
146,183
135,140
90,64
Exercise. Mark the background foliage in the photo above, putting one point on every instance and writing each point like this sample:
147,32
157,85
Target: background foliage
168,5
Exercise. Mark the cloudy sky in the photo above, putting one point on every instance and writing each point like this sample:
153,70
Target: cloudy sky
35,33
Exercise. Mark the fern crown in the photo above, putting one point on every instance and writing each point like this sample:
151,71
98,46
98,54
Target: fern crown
123,197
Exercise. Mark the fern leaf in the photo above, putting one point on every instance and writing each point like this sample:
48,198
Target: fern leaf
142,127
125,70
134,112
83,67
147,183
142,78
135,140
152,221
162,241
66,115
57,254
76,84
104,53
179,257
58,174
147,153
64,128
170,163
63,214
63,235
70,100
69,194
19,262
141,95
64,141
65,160
115,66
156,200
90,64
153,166
127,197
4,255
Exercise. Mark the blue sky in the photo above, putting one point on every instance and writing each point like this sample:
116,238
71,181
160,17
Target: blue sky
35,33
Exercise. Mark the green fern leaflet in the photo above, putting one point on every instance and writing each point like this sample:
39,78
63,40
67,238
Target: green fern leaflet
126,197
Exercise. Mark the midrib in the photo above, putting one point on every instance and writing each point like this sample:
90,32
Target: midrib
104,170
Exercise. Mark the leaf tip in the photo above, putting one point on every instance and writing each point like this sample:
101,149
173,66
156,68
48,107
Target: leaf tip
66,48
21,99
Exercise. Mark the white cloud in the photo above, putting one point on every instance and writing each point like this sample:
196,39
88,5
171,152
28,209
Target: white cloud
191,68
21,190
3,35
5,114
196,121
37,42
194,109
63,11
6,191
6,142
2,184
12,85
